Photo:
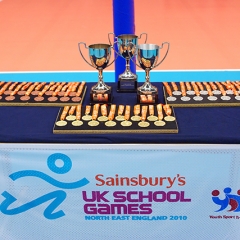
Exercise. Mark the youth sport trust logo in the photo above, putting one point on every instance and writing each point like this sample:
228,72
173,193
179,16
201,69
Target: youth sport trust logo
57,196
231,200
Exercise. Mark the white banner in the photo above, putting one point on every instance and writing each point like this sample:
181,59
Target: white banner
119,191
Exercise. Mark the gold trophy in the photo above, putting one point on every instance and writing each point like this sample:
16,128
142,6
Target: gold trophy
99,55
147,55
127,81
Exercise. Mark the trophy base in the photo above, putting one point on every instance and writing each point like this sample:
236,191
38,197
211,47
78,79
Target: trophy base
125,85
102,97
147,97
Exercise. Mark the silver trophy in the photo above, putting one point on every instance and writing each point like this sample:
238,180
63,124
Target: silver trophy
99,55
147,55
127,81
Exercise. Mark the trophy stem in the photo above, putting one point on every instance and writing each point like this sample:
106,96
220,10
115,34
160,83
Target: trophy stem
147,87
100,86
127,74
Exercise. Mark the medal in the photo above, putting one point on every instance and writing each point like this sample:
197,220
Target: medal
127,123
143,122
93,122
136,111
151,113
104,117
78,122
168,88
110,122
209,90
171,99
168,112
136,118
120,117
195,88
198,98
159,123
87,117
62,121
183,89
71,117
169,118
80,89
221,88
188,86
5,86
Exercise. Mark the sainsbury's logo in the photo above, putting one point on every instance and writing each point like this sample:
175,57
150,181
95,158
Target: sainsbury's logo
139,180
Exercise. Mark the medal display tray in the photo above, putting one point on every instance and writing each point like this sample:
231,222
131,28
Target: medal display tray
45,102
217,100
169,127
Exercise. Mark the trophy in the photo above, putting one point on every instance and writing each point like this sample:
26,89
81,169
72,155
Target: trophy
127,81
99,55
147,55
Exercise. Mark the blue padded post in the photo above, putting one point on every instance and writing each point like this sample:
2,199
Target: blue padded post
123,21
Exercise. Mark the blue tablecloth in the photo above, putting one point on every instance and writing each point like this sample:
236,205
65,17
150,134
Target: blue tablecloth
212,125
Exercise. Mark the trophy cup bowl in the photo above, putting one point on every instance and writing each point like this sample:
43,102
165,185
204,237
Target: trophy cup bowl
99,55
127,81
148,56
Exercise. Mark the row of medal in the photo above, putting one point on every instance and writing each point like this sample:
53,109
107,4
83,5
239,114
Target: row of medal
203,88
52,90
141,115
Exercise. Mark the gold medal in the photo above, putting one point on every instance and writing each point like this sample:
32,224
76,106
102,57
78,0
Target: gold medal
169,118
61,123
112,112
168,112
77,123
151,113
102,118
135,118
110,123
93,123
136,112
87,117
119,118
126,123
71,118
143,124
152,118
159,123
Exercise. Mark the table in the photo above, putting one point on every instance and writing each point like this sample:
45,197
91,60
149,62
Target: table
213,125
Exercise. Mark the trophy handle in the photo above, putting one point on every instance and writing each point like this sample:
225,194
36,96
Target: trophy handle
79,47
134,55
114,58
111,33
141,36
165,53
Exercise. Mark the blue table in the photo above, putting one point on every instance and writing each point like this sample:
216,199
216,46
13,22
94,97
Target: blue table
213,125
